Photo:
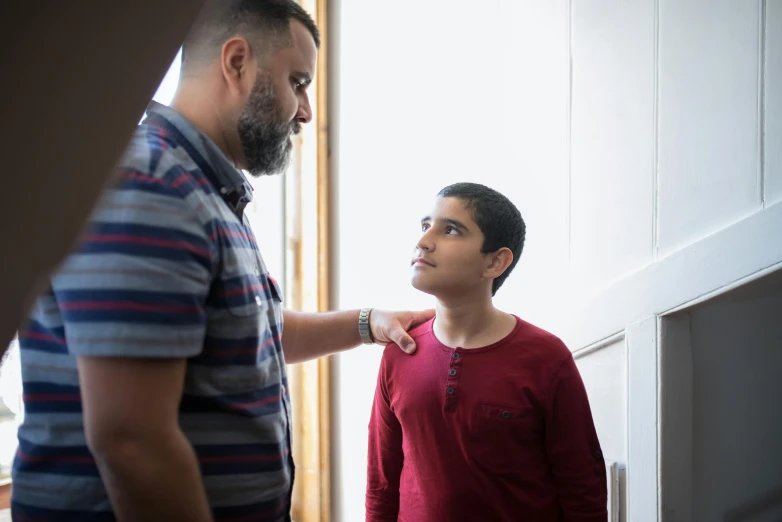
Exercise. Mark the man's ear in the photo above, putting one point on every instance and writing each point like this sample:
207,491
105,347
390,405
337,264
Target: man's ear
237,65
499,261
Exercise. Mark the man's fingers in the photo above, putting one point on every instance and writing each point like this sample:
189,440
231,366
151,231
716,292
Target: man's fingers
404,341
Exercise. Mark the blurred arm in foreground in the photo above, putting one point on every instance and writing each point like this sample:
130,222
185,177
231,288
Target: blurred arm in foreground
77,79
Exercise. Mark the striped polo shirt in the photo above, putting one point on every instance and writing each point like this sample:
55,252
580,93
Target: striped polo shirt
168,267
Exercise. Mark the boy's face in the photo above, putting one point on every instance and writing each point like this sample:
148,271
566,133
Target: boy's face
448,261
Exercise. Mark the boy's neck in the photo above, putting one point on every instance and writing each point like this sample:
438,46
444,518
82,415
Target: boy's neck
471,323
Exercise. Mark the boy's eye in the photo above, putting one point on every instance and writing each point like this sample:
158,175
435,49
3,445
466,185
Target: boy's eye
451,230
425,227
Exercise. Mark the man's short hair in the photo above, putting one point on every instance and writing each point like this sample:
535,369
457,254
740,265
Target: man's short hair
264,23
498,218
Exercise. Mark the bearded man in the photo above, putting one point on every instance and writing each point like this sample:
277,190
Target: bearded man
153,365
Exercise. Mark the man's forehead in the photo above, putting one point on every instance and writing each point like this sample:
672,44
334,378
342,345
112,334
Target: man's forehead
304,50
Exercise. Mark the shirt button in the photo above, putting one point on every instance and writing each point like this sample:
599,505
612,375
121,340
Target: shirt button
257,272
450,390
452,372
598,455
258,300
506,415
456,355
282,389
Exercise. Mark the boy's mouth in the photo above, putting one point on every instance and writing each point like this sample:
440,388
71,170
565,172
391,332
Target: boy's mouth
420,261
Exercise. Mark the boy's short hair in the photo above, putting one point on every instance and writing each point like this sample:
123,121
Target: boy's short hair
498,218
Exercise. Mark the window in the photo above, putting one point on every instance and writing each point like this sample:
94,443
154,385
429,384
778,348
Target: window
11,409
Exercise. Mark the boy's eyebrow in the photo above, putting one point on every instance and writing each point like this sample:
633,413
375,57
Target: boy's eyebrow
450,221
457,224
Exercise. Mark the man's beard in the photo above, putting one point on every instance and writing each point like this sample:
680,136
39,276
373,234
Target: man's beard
266,141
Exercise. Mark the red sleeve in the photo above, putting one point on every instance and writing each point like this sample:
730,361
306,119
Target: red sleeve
385,457
573,449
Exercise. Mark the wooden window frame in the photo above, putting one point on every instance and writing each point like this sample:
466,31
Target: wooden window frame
307,283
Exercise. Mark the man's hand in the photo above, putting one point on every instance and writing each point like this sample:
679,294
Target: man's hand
307,336
391,327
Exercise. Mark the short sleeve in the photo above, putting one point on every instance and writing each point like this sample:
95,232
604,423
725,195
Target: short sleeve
136,283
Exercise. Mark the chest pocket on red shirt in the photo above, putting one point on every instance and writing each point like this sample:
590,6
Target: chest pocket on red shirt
505,437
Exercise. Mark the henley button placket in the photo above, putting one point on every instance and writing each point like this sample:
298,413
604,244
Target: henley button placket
452,381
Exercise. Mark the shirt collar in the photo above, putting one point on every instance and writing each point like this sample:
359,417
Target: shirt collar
232,184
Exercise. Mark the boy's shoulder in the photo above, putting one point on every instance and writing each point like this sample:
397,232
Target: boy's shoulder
420,334
534,333
540,343
422,330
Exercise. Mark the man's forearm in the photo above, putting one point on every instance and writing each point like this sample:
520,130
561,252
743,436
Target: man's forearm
311,335
154,481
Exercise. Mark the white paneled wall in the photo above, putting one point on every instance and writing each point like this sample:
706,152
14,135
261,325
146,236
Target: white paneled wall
604,372
612,136
531,74
641,139
709,120
772,147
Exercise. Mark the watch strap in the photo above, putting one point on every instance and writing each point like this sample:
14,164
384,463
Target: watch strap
363,326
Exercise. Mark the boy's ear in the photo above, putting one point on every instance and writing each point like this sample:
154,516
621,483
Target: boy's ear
499,261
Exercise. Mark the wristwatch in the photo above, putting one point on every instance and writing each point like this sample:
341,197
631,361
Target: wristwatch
363,326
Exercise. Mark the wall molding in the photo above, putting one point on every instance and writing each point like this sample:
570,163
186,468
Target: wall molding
704,269
599,345
642,422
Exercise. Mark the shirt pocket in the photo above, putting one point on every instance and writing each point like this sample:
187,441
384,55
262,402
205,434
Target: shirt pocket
274,288
246,296
505,437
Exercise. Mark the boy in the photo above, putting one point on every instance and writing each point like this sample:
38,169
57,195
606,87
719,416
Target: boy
489,421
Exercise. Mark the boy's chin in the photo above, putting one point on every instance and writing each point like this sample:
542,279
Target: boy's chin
424,286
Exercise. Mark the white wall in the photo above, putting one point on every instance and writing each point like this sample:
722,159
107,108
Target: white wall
604,372
612,139
772,146
641,140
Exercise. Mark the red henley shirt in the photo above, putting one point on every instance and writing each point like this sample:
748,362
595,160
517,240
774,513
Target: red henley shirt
499,433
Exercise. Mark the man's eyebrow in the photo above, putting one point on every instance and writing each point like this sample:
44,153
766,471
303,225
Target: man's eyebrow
425,219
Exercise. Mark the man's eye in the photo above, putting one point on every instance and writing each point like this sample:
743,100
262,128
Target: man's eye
424,227
449,230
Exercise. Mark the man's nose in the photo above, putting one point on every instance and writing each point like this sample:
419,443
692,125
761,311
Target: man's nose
304,114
